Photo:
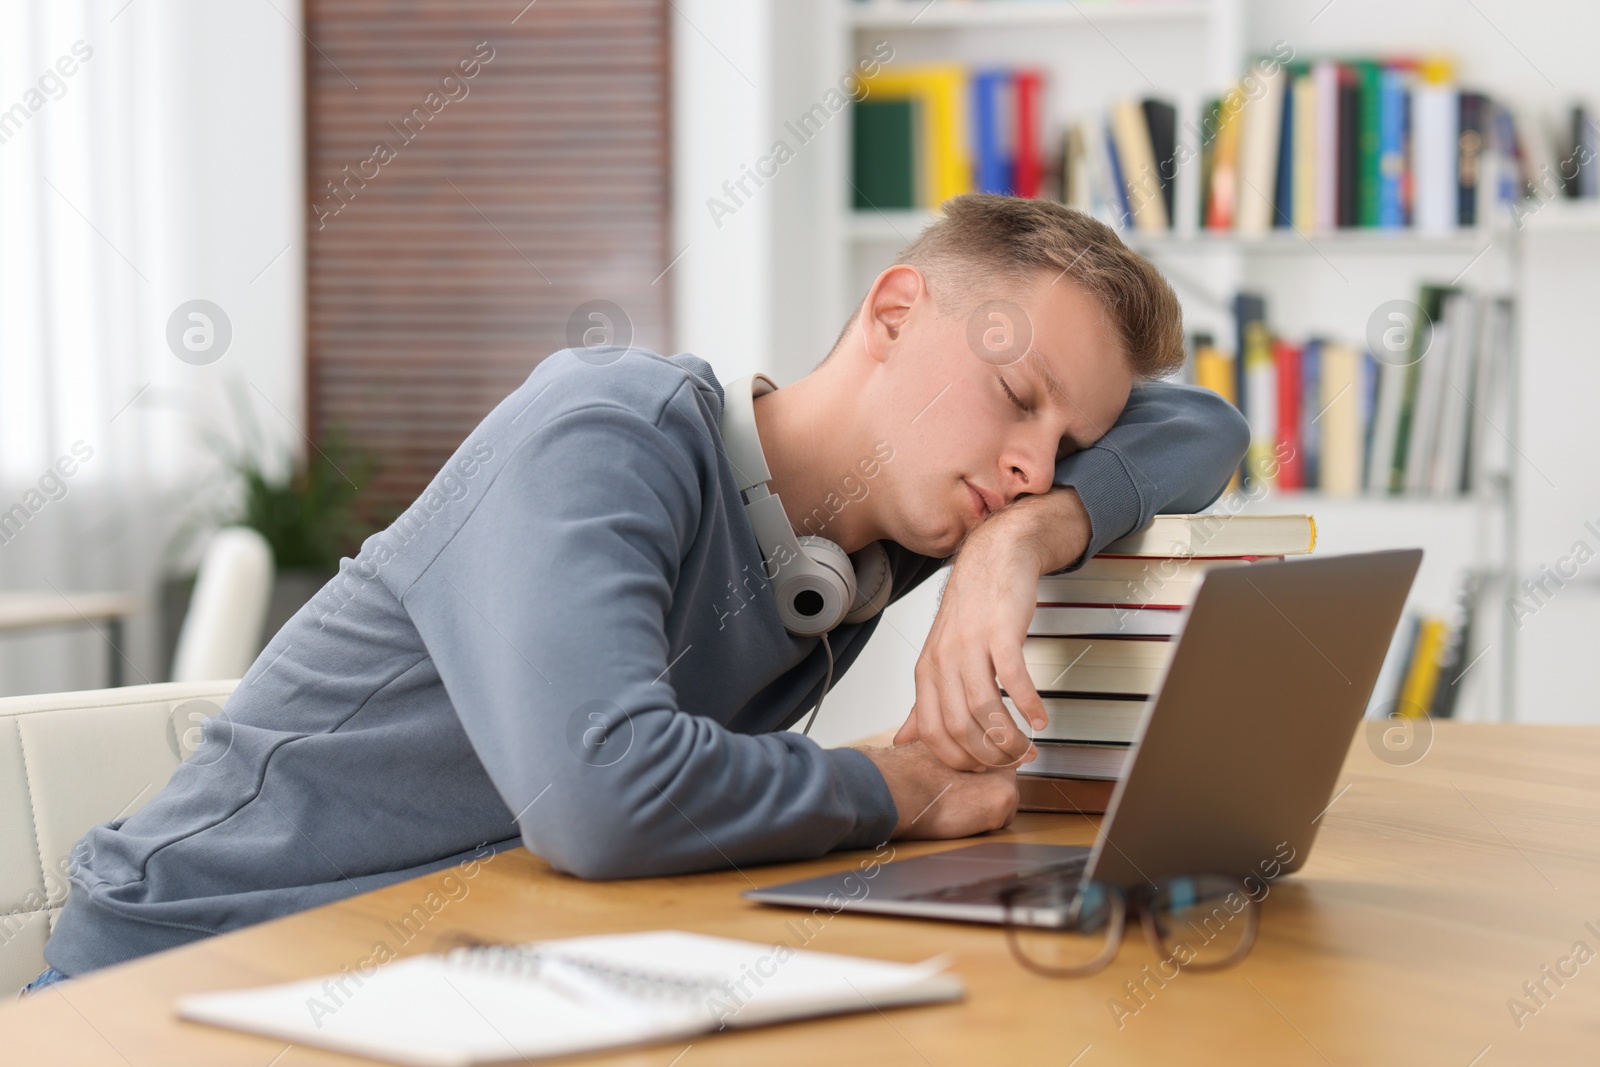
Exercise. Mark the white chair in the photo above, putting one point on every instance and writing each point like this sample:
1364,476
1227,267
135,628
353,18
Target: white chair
69,761
221,633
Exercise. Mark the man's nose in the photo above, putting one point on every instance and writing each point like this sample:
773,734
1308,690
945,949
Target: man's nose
1031,472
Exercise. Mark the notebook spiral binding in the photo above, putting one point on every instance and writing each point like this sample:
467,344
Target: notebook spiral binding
524,961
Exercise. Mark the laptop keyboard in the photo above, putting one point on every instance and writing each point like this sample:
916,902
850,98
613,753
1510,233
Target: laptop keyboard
988,890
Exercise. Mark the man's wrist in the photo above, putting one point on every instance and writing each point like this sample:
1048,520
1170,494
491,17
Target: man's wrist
1050,531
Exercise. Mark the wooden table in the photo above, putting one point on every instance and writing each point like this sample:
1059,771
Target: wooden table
1434,892
36,611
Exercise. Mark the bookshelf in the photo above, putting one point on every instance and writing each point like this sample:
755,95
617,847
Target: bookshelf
898,14
1323,283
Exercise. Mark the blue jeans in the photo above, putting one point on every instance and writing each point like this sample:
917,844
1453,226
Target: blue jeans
47,977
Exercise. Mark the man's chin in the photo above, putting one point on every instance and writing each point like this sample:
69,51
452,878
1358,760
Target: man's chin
937,545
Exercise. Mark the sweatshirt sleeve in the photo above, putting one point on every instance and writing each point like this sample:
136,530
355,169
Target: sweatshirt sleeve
545,615
1173,450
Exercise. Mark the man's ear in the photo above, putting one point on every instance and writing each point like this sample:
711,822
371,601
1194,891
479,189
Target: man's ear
888,306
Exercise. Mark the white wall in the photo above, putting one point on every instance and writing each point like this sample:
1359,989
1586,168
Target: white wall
721,87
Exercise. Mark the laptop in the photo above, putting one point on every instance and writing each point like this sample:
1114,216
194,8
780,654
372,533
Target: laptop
1234,762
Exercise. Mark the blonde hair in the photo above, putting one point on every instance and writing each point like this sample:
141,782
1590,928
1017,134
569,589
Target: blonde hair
983,243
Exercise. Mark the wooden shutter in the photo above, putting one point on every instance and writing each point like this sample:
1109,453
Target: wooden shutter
442,270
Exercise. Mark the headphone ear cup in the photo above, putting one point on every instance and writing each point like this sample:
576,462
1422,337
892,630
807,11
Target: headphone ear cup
874,583
816,590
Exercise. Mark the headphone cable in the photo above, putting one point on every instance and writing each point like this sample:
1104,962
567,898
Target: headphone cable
826,683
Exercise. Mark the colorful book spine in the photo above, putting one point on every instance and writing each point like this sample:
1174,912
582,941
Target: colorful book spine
991,131
1304,149
1325,193
1311,413
1289,454
1370,165
1027,87
1393,107
1473,128
1222,203
1349,195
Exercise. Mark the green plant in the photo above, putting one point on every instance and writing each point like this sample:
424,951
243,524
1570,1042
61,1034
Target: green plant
309,518
308,513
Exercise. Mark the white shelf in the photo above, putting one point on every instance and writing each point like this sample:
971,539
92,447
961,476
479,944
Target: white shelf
1563,216
941,14
1308,501
903,226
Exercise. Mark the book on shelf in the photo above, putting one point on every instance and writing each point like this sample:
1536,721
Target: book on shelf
1437,652
1327,416
884,173
1102,636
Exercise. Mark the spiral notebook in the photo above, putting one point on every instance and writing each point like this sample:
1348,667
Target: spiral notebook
556,998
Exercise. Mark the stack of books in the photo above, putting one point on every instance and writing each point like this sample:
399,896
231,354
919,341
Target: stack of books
1330,416
1102,635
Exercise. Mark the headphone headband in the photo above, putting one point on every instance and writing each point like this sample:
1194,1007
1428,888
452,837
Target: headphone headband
816,583
739,433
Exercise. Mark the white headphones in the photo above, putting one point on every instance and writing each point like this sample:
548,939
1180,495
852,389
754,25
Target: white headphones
817,584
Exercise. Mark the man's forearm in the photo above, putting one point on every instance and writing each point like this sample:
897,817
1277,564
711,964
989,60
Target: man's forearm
1173,449
1053,529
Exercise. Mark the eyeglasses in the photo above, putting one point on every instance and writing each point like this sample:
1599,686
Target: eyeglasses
1061,927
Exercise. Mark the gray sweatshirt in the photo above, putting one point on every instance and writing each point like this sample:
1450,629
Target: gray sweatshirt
566,643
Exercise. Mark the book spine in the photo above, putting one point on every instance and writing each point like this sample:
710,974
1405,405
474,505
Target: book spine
1283,188
1288,452
1258,155
1305,153
1210,115
1029,159
1261,409
1311,414
1436,152
1469,160
1370,165
1391,150
985,135
1119,187
1325,81
1349,148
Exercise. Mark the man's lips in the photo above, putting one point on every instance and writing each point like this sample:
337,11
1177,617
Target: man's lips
983,502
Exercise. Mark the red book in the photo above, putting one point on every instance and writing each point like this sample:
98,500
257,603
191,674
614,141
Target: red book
1291,468
1030,162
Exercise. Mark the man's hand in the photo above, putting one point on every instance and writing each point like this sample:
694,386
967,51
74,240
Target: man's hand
935,801
978,632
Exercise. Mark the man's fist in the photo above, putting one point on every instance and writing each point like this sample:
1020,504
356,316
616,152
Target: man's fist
936,801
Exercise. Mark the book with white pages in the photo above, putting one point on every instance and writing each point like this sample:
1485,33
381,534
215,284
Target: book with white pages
1132,581
1219,535
1087,717
1051,621
1095,664
494,1004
